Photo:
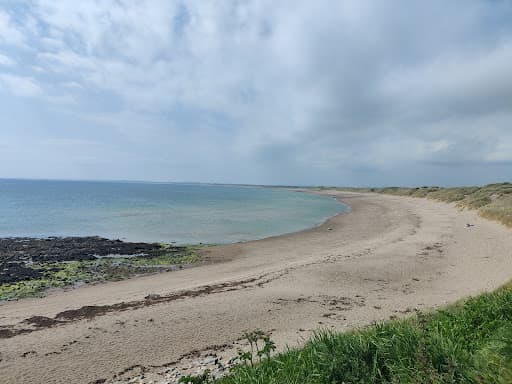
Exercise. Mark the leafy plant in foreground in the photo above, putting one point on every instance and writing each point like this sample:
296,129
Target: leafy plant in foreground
261,346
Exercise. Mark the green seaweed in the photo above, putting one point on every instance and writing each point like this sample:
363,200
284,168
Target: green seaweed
70,274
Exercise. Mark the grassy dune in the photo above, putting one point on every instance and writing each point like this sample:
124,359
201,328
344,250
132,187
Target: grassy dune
493,201
470,342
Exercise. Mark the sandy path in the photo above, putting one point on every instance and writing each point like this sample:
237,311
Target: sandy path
385,258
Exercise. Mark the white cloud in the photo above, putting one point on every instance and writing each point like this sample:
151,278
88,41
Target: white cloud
6,61
20,86
10,34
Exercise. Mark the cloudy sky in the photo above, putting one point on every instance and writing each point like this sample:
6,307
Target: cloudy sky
276,92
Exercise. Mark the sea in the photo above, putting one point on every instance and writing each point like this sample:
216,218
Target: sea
184,213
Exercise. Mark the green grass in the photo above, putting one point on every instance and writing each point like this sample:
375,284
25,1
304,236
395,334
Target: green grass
470,342
493,201
68,274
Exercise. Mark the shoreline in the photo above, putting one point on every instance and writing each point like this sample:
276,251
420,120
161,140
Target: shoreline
179,214
51,252
207,256
387,257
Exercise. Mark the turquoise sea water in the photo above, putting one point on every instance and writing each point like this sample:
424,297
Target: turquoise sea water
162,212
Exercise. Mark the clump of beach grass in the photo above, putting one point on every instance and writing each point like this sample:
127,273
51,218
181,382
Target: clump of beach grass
499,210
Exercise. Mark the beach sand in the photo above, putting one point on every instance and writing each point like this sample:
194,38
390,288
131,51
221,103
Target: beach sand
387,257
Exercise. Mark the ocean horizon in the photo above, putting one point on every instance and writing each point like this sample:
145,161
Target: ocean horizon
183,213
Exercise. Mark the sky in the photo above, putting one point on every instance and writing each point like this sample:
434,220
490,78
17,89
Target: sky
359,93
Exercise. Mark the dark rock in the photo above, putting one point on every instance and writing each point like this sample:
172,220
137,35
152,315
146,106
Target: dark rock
16,253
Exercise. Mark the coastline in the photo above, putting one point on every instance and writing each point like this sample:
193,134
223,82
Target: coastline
386,257
179,214
36,266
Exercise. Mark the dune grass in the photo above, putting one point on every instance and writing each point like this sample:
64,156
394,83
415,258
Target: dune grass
493,201
499,209
470,342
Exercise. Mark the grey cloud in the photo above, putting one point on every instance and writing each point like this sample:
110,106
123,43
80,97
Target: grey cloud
259,91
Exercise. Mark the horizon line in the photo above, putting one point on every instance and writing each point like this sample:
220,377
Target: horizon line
232,184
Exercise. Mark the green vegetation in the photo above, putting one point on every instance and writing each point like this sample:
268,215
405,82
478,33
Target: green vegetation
493,201
470,342
499,209
261,346
72,273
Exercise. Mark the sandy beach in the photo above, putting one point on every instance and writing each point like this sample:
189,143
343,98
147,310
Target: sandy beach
388,257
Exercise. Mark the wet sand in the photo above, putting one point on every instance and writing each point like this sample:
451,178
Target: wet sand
386,258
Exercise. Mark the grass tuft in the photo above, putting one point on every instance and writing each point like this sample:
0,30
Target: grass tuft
466,343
